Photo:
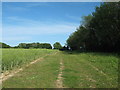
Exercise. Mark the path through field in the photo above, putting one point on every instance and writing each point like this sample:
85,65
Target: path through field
66,70
6,75
59,83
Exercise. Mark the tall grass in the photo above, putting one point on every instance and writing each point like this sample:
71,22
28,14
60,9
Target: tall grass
81,70
12,58
90,70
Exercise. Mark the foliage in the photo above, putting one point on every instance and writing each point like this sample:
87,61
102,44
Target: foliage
3,45
57,45
86,20
99,31
64,48
77,39
35,45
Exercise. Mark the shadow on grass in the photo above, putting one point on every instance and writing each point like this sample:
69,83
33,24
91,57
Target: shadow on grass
116,54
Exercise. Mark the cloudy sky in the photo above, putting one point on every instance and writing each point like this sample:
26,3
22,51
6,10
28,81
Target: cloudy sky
48,22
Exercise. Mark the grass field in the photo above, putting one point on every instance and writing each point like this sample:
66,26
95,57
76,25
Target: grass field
79,70
13,58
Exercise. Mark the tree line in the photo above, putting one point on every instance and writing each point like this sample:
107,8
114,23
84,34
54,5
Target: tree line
56,45
99,31
4,45
35,45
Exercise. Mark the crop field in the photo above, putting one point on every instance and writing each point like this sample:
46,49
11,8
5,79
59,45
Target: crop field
12,58
59,69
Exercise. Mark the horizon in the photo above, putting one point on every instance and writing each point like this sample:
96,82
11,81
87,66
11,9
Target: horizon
43,22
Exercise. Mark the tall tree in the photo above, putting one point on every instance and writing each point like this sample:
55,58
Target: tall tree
99,31
105,24
57,45
78,39
3,45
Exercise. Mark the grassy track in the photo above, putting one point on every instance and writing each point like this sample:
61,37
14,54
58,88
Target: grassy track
90,70
81,70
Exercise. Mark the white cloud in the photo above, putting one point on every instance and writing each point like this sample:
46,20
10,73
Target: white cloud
29,28
39,29
21,20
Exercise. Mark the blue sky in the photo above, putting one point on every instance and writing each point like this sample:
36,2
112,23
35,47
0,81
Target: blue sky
42,22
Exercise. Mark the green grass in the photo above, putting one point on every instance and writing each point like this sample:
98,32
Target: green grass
12,58
81,70
39,75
